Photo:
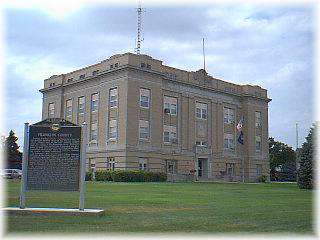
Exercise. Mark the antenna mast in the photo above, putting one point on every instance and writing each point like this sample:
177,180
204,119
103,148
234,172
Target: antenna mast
204,56
139,29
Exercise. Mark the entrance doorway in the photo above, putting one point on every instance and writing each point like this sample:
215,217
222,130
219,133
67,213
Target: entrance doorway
202,167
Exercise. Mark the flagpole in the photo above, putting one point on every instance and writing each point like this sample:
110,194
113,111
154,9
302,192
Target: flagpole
241,141
242,147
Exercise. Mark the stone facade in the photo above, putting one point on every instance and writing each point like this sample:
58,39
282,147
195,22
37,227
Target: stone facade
142,114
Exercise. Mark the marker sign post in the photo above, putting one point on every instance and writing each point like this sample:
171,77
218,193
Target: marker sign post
54,160
54,156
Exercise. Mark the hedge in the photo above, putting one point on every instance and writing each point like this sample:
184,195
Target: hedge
88,176
127,176
262,178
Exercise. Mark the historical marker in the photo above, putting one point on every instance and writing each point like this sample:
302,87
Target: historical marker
53,160
54,156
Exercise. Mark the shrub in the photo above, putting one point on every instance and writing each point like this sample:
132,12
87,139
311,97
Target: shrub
262,178
103,175
127,176
306,161
88,176
159,177
148,176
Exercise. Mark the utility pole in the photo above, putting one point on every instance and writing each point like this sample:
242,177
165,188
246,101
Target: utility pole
297,146
297,136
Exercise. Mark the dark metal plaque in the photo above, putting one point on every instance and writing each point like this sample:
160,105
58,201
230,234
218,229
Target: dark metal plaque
54,156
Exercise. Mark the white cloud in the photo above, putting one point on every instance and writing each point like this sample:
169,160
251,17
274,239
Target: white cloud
57,9
288,72
270,46
36,69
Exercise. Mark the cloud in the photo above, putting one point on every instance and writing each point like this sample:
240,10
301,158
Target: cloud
267,45
59,10
37,68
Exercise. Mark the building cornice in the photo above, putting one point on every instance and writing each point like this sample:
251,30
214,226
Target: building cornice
159,74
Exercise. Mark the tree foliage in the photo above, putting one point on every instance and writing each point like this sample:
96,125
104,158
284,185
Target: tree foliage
13,155
282,161
305,173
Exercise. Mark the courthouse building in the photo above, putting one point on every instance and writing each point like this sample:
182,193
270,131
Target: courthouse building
142,114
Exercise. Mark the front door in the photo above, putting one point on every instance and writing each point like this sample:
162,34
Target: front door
200,167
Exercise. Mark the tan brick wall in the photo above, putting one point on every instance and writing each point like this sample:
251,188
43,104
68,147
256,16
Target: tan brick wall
161,80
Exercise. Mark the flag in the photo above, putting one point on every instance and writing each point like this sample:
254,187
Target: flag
240,138
239,128
240,124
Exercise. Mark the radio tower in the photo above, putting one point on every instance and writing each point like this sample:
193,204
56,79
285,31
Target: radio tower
139,29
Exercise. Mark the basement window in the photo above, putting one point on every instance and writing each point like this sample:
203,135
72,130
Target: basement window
95,72
69,80
142,65
202,143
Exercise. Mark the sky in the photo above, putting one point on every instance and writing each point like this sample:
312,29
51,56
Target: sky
269,45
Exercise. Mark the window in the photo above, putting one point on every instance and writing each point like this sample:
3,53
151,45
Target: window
258,143
202,143
171,75
116,65
230,169
144,98
82,76
113,97
148,66
111,66
143,164
69,80
171,166
173,109
142,65
228,141
166,136
52,84
91,164
81,105
113,129
228,115
95,72
111,163
173,136
259,169
170,105
258,119
51,110
69,108
94,132
144,130
170,134
94,102
201,110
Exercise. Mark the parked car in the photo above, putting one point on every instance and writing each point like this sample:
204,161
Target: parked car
11,173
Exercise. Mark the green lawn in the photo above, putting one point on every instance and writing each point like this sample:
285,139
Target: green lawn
172,207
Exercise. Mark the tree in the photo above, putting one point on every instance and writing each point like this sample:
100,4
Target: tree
13,155
282,161
305,179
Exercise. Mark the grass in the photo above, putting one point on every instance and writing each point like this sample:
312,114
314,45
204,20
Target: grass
172,207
